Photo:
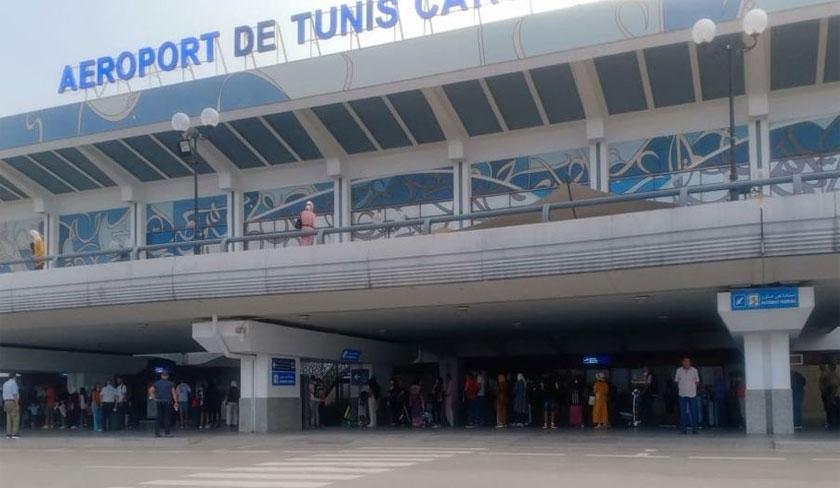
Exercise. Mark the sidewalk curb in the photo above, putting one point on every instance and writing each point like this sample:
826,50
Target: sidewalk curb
790,445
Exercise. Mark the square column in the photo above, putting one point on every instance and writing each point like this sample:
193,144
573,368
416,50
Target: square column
767,319
270,403
769,401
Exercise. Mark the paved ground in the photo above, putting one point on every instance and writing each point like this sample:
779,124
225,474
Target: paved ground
440,459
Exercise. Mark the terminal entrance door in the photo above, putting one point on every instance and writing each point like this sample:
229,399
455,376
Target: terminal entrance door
327,386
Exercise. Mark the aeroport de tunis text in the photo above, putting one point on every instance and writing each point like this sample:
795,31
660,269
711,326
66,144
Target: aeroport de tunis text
359,17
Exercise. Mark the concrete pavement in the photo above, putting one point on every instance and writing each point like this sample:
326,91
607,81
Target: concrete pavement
456,459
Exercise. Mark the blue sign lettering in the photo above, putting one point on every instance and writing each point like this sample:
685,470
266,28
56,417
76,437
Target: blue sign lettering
595,360
243,40
359,377
283,372
350,18
351,355
167,57
764,298
265,36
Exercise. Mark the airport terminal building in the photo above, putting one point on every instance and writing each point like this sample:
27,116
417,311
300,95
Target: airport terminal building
503,186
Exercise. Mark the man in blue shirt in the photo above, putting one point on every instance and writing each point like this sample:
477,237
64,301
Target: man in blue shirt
164,394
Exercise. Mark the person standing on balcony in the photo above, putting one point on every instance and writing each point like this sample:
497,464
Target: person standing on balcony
307,224
38,249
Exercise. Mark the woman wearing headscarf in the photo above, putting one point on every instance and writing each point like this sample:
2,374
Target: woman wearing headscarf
520,401
600,390
307,224
38,249
416,403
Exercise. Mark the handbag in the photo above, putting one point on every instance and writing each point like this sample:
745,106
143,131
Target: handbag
591,400
298,224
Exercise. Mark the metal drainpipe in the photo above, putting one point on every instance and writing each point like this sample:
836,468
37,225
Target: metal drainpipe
241,356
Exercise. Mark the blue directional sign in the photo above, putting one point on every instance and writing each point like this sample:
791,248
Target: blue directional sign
351,355
359,377
283,372
764,298
595,360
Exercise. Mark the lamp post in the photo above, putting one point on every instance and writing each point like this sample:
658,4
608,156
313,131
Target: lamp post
703,32
189,145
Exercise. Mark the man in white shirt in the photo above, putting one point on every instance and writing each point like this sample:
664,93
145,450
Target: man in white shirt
11,405
109,399
687,380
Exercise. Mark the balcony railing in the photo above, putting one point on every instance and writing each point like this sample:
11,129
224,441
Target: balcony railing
681,197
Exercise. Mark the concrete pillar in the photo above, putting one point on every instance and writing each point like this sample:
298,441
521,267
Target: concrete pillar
51,237
766,319
269,403
236,217
769,402
599,176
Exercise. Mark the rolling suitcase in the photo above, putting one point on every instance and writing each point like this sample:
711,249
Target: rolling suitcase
575,415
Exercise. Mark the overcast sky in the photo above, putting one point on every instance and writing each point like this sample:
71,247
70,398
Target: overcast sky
39,37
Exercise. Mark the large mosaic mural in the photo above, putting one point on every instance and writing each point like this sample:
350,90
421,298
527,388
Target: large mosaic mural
14,243
95,231
805,146
172,222
270,211
526,180
401,197
678,160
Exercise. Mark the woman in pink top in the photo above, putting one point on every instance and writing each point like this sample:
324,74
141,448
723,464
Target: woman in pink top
307,223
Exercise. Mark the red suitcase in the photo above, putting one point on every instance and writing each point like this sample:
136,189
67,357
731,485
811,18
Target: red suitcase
575,415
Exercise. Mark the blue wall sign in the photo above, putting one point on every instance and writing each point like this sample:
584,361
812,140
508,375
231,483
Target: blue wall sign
764,298
283,372
351,355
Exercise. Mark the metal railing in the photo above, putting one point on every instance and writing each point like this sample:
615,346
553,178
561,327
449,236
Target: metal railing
425,224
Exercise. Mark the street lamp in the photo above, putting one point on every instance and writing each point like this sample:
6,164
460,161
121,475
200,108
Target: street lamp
703,32
189,145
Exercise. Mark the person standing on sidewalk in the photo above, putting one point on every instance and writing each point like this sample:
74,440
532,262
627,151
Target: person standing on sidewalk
96,407
11,406
121,406
520,401
687,379
109,399
449,396
164,394
184,391
375,393
232,407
